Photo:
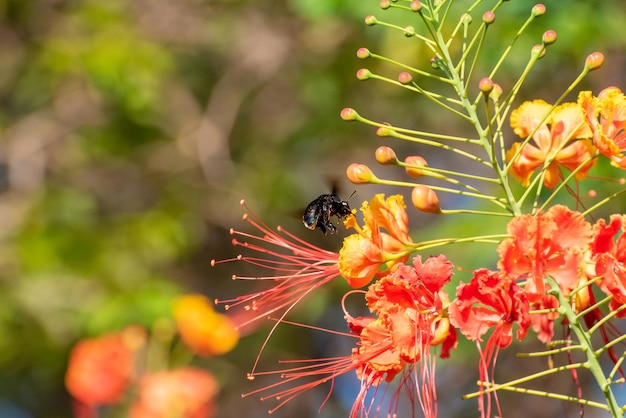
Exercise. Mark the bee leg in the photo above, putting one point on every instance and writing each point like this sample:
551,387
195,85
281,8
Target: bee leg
331,227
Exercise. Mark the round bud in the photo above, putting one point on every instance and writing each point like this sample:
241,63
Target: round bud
386,156
409,31
485,85
466,18
349,114
359,174
415,161
496,92
363,53
384,4
549,37
383,131
538,10
434,64
425,199
371,20
415,6
592,193
594,61
363,74
489,17
539,51
405,78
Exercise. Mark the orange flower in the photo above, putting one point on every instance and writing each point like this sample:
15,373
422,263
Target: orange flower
100,369
546,244
206,332
490,300
606,115
364,253
609,255
559,141
410,304
410,308
181,393
543,323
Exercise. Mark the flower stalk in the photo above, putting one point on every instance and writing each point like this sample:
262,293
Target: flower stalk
551,261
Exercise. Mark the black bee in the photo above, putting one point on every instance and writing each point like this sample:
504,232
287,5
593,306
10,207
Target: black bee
319,212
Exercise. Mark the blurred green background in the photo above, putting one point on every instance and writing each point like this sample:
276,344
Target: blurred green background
132,128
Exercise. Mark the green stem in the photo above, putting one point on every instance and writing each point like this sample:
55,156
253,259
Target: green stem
552,352
495,387
593,362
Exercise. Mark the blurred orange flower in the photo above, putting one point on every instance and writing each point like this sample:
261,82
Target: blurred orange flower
100,369
206,332
180,393
560,139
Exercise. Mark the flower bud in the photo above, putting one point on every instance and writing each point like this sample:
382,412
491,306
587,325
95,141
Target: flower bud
549,37
405,78
583,298
466,18
363,74
349,114
415,161
363,53
386,156
496,92
539,51
383,131
384,4
371,20
434,63
409,31
538,10
425,199
360,174
489,17
485,85
415,6
594,61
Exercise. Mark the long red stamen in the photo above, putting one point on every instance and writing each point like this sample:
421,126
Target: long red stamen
298,268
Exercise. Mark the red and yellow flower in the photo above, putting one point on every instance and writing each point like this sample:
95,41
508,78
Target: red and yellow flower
609,254
559,138
606,116
546,244
364,253
409,316
490,301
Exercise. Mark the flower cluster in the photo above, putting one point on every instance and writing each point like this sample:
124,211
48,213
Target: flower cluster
109,369
554,261
568,135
